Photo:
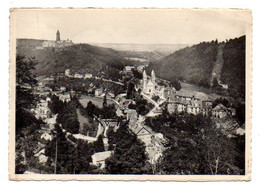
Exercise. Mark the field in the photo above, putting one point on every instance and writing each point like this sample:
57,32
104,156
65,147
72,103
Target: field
210,92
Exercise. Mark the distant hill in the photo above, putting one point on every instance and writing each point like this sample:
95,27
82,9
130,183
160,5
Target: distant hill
199,63
81,58
28,43
146,51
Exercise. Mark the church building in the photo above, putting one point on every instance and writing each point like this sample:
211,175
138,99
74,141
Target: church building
150,86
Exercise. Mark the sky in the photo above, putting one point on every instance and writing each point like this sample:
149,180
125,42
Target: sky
139,26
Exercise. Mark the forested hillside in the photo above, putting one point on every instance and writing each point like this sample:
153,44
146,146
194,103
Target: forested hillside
233,71
80,58
195,64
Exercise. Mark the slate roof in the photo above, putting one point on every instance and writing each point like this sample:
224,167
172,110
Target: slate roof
101,156
219,107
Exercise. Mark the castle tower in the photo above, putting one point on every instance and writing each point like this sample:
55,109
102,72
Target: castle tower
58,36
153,76
144,80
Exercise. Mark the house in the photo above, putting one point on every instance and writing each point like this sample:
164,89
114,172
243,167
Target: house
77,75
171,107
110,95
124,103
63,88
185,95
99,92
119,112
140,68
88,75
132,117
42,110
64,97
155,148
224,86
46,136
72,93
220,111
169,93
143,130
232,111
85,138
240,131
67,72
99,158
41,156
128,69
39,47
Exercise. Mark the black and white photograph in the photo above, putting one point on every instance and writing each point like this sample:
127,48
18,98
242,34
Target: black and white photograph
130,94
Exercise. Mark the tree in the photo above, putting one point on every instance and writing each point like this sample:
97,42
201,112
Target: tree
130,90
69,157
99,145
137,74
155,98
68,117
56,105
176,84
83,157
27,126
215,82
26,142
223,101
199,148
105,101
25,83
129,153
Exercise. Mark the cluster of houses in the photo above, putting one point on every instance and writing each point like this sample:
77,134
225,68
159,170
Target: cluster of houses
139,68
182,101
154,142
175,101
77,75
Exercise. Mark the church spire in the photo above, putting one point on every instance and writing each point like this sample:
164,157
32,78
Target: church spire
153,76
144,75
144,79
58,35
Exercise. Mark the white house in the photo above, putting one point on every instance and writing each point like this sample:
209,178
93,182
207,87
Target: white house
87,75
78,75
46,136
64,97
67,72
41,156
99,158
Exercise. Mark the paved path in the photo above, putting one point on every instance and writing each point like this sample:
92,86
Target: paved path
156,105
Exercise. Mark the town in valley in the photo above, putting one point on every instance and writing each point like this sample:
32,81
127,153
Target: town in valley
93,109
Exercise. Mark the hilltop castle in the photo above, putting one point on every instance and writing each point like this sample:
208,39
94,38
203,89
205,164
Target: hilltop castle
58,43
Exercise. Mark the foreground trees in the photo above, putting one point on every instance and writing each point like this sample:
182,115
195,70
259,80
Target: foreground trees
68,155
27,126
25,83
129,153
67,115
196,146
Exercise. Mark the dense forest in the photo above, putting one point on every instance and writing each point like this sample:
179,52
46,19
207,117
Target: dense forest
195,64
233,71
